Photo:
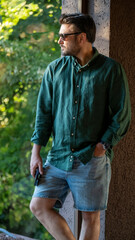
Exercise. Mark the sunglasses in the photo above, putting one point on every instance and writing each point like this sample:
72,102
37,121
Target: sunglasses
64,35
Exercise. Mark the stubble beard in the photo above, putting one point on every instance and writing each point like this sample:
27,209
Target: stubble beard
72,52
65,52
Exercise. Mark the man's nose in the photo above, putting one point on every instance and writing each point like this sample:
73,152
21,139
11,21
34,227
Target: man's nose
60,41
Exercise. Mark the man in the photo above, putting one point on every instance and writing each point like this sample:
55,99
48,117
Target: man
84,103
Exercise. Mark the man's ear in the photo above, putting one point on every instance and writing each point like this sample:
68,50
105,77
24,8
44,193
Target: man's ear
83,37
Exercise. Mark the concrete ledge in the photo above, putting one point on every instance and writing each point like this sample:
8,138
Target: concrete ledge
24,237
4,236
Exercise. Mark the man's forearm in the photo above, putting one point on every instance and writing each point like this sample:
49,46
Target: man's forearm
36,149
36,160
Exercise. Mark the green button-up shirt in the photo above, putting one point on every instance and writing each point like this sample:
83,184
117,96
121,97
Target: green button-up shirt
81,106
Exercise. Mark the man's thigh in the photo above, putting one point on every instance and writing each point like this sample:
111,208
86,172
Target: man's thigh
89,184
52,185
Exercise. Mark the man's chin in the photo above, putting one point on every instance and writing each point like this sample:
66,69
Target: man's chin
64,53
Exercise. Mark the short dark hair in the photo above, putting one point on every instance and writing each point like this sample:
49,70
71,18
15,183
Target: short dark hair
83,22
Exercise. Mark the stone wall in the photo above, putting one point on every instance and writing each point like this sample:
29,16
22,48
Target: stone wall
70,6
100,11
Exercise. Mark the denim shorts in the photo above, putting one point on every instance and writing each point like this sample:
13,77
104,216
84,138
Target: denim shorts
89,184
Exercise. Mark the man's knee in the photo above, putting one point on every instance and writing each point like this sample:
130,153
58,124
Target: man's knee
91,217
40,205
34,206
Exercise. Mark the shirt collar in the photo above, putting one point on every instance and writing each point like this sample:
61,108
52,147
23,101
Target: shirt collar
96,53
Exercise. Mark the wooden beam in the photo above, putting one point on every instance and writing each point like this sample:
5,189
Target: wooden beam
83,6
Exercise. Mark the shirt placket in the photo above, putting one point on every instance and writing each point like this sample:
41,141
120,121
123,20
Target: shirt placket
76,91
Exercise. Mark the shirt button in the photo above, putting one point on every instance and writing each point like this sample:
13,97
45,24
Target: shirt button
75,101
77,86
71,158
74,118
72,134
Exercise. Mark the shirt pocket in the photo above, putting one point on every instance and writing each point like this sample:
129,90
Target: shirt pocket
92,95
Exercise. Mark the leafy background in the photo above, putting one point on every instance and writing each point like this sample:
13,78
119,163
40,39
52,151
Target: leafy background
28,42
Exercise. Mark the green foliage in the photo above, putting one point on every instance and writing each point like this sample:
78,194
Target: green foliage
28,42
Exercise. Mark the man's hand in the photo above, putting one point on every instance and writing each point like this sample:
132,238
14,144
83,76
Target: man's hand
36,160
99,150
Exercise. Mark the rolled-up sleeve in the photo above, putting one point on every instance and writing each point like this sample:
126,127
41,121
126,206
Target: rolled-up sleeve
43,123
119,107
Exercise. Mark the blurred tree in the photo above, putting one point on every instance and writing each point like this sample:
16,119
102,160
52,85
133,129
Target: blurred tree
28,42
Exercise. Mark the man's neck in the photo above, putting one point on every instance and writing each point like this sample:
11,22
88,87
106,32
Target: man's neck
85,55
